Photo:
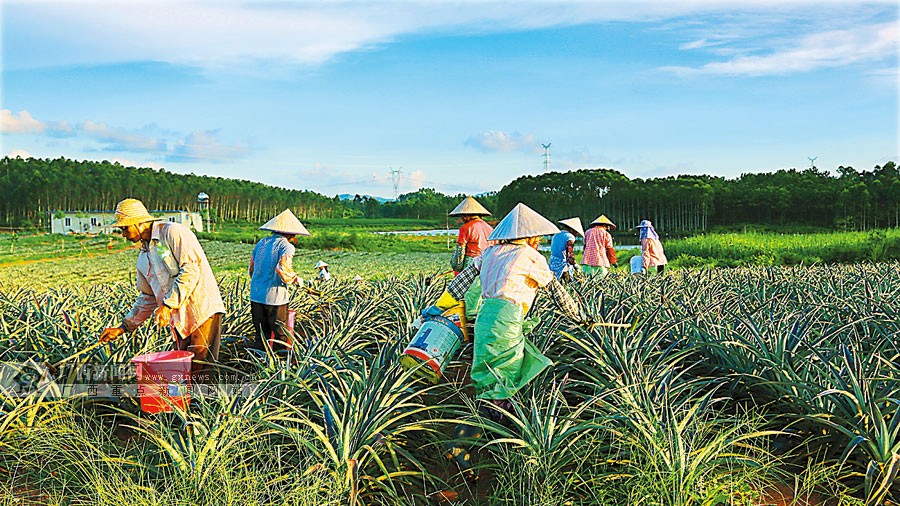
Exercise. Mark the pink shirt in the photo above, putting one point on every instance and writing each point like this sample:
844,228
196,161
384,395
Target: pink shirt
652,253
473,235
598,248
513,272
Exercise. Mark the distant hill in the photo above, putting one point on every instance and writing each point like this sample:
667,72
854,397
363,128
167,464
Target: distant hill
350,196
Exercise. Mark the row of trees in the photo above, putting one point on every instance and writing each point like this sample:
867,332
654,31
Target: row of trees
32,189
852,200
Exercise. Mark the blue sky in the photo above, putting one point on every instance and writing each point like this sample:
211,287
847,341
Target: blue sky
459,96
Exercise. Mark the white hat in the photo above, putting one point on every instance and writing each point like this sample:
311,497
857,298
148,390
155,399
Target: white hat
321,264
285,223
522,222
470,206
574,224
357,278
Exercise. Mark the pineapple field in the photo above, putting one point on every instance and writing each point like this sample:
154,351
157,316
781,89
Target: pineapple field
747,386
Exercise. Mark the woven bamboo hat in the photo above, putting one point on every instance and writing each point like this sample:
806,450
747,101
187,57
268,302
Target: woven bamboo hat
470,206
522,222
285,223
131,212
603,220
574,224
321,264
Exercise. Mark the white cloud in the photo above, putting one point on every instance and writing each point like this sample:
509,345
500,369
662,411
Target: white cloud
21,123
232,35
416,179
196,147
833,48
499,141
19,153
205,146
120,140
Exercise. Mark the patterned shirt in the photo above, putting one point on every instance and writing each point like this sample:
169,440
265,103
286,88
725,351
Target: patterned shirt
513,272
598,248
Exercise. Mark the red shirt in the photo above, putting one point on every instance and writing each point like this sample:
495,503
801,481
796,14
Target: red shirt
473,235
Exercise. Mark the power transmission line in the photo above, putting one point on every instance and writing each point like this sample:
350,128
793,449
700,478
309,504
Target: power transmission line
547,156
395,179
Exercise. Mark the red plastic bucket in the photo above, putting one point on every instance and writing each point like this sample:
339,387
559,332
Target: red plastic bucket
164,380
290,332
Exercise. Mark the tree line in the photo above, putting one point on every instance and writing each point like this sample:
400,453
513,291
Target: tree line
33,189
850,200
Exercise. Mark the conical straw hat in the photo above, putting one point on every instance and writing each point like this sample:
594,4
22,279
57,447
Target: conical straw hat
285,223
603,220
522,222
321,264
470,206
131,212
574,224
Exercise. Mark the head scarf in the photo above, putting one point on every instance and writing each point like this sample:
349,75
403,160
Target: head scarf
647,230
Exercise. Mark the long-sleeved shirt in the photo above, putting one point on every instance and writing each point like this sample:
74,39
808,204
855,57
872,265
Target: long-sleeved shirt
272,270
172,270
652,253
513,272
598,248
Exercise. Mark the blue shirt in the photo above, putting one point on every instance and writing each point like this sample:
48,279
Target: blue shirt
558,251
266,286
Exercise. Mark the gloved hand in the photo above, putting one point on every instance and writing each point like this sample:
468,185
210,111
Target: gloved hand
431,311
163,316
298,281
111,333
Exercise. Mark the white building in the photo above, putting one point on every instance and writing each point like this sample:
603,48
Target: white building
100,222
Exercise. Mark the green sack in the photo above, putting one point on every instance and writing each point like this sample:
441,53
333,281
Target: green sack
504,361
472,300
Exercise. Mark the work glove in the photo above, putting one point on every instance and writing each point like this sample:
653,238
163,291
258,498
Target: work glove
111,334
163,316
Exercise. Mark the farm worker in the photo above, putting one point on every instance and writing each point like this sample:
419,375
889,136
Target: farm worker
599,253
511,272
562,248
357,279
271,272
651,249
175,281
470,242
324,275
